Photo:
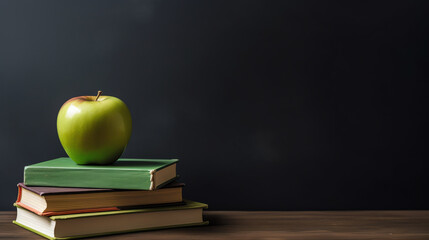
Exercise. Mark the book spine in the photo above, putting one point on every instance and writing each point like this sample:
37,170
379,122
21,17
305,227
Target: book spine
18,199
87,178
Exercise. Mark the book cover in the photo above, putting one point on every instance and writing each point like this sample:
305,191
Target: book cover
188,205
138,174
115,201
43,191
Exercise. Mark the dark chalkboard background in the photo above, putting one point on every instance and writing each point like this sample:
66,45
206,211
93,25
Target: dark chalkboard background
270,105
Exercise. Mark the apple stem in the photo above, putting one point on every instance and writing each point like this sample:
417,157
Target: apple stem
98,95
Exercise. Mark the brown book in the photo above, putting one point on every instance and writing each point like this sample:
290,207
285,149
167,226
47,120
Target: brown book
51,201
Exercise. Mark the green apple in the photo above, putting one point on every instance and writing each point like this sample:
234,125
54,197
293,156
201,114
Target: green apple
94,129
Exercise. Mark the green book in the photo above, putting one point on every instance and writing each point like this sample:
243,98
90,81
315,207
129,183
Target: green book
126,173
111,222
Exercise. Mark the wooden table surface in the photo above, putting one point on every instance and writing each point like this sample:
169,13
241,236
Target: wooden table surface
378,225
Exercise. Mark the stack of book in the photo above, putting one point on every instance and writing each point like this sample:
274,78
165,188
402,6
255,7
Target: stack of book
60,199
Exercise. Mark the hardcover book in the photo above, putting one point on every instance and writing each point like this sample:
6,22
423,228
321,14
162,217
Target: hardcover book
111,222
50,201
125,173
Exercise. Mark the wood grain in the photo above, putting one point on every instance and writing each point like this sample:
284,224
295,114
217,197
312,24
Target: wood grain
229,225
